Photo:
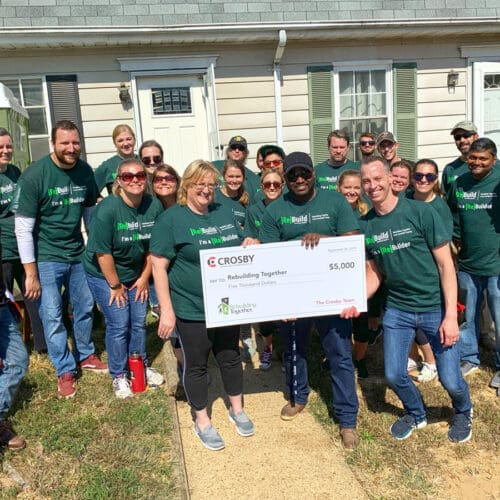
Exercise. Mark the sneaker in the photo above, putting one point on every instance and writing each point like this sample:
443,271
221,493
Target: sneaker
265,359
402,428
9,438
412,365
248,349
94,364
155,311
495,381
373,335
289,412
350,438
427,373
121,387
153,377
360,366
467,368
209,437
66,385
244,425
461,428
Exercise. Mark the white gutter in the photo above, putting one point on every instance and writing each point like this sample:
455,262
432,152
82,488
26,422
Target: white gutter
277,86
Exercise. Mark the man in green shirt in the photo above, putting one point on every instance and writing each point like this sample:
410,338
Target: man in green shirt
50,200
308,214
405,239
475,204
328,172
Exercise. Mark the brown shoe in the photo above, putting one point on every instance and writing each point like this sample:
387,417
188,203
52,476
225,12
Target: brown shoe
289,412
9,438
350,438
66,385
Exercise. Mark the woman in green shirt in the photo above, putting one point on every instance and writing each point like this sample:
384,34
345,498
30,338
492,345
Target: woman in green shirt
118,268
196,223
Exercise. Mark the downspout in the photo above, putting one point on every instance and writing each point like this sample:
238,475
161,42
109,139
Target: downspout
277,86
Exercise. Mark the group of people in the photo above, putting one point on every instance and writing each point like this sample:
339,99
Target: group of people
143,247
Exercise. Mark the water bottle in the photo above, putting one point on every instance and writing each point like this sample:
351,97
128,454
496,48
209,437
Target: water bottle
137,372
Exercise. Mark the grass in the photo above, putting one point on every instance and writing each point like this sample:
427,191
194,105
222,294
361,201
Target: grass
93,446
420,466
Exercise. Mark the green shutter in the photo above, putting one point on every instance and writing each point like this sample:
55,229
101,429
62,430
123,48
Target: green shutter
321,117
405,108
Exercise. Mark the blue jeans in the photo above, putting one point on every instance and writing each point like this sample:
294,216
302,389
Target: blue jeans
335,335
15,360
53,276
471,290
399,332
125,326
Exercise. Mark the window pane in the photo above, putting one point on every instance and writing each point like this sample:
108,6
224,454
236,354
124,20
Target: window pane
378,125
167,101
32,92
39,148
362,105
346,85
362,81
13,85
377,106
346,106
378,81
38,123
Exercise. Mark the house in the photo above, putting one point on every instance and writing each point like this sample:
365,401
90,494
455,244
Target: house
193,73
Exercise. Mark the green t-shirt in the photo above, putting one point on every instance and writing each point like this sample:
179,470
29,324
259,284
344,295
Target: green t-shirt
401,244
327,176
251,184
475,206
8,181
122,231
239,210
178,235
328,213
56,198
253,219
440,206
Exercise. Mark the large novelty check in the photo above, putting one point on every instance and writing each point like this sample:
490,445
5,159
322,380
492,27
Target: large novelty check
283,280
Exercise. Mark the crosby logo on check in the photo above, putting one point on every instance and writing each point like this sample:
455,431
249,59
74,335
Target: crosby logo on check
234,260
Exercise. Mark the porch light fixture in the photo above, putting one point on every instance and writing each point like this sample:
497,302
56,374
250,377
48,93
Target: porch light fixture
452,80
124,95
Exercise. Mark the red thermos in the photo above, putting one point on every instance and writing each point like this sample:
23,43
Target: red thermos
137,372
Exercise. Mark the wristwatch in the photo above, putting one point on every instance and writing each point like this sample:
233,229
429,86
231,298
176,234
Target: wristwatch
115,287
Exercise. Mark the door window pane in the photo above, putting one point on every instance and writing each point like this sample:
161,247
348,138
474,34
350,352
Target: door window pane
170,101
32,93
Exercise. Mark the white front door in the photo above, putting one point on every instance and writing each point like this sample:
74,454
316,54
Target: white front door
487,99
172,112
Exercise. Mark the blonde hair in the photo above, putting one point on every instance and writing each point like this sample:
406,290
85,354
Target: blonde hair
242,195
194,173
116,188
362,206
268,171
122,127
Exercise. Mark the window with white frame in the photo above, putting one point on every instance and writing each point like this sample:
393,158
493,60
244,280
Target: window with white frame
363,99
31,94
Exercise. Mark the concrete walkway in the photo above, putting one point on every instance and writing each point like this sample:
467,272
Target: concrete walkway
295,459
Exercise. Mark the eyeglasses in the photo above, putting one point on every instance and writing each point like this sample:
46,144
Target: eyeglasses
272,163
367,143
418,176
237,147
271,184
128,177
148,160
293,175
167,178
200,186
463,135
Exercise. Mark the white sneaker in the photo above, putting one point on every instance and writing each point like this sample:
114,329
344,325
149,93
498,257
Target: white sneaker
121,387
153,377
412,365
427,373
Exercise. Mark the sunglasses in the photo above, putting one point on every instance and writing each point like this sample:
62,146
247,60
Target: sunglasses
128,177
271,184
418,176
148,160
200,186
167,178
272,163
237,147
295,174
367,143
463,135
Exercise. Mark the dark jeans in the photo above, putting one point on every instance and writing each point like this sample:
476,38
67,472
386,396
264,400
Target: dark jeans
14,270
197,341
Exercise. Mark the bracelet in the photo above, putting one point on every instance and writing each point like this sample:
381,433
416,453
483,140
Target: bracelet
115,287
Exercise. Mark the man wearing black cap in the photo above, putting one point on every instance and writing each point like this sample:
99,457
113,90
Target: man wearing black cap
308,213
238,150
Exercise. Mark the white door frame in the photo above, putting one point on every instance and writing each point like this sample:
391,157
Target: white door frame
202,65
